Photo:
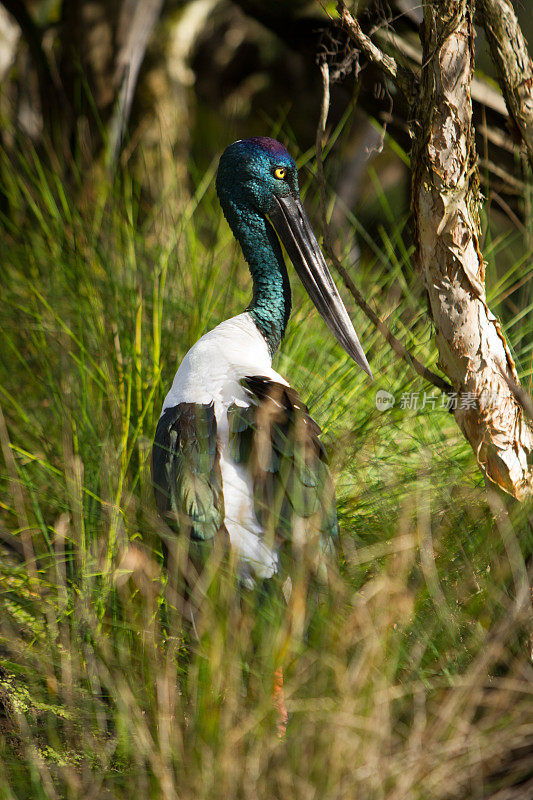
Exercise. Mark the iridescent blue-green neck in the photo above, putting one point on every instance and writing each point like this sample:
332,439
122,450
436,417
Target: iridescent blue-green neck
271,302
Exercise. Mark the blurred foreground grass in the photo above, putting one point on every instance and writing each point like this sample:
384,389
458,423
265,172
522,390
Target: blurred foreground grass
413,678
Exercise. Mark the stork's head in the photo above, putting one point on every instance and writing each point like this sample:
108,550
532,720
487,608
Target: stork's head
258,177
252,172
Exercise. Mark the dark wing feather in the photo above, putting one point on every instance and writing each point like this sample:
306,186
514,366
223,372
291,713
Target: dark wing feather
186,471
278,440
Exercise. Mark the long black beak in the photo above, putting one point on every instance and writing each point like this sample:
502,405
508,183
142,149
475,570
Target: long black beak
293,228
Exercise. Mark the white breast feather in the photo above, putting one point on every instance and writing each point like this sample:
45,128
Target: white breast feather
210,372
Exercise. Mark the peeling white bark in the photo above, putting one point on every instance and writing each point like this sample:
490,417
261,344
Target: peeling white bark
472,348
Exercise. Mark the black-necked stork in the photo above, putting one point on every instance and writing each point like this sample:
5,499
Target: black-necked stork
236,453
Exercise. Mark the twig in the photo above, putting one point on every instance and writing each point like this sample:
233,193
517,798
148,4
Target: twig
396,345
506,208
401,77
320,131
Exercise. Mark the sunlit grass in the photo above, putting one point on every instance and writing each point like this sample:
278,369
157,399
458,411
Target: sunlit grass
409,679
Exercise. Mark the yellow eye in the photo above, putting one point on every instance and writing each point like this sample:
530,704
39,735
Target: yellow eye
280,172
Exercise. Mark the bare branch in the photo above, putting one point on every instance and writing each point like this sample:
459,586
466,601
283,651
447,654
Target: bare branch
400,76
515,67
320,131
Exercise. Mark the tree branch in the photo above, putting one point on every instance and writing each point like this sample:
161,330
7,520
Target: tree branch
509,52
402,78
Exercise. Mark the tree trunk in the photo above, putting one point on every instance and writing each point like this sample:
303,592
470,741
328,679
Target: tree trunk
472,349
